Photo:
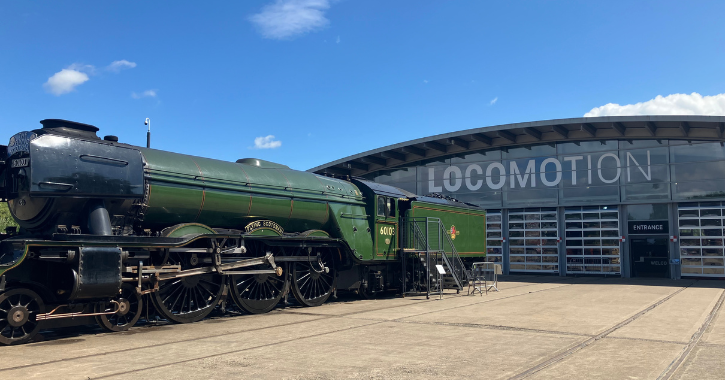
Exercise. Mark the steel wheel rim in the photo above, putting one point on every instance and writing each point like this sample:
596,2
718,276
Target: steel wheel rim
18,311
188,299
128,314
185,300
258,293
311,286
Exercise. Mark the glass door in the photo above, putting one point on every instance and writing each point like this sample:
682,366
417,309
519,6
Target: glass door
650,256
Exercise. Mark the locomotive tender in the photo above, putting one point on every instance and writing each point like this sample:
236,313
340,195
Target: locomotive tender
107,228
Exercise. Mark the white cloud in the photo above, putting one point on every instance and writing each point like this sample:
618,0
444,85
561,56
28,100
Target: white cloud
68,79
286,18
65,81
338,39
493,101
266,142
425,81
675,104
117,66
88,69
145,94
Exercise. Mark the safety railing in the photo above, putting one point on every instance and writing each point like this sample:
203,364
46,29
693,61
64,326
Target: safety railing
427,239
456,265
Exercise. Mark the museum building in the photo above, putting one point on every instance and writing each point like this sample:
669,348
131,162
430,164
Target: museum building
626,196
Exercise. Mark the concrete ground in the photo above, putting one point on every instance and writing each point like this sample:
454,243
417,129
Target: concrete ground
535,327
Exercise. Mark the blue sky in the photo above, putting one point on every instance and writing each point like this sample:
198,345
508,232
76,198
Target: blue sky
329,79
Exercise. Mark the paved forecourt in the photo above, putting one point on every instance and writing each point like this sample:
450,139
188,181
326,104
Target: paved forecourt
535,327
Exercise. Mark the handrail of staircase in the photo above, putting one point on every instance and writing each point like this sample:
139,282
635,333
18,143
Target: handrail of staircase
422,242
458,266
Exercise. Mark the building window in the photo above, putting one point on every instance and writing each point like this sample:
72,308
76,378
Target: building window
533,246
592,240
494,249
701,239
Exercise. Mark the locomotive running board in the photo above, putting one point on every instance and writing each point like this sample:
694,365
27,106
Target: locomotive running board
125,241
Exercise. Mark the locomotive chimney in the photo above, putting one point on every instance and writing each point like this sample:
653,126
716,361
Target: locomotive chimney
69,128
99,222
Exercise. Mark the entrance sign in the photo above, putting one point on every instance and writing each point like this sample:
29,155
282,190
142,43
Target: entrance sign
649,227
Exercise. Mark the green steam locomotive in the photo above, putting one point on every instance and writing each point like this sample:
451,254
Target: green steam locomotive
109,230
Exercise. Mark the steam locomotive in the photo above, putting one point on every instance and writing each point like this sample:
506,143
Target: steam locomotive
109,230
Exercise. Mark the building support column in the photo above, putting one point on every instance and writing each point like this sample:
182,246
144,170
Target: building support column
674,219
505,245
624,254
561,231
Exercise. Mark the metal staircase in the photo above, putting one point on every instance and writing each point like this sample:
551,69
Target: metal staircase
425,244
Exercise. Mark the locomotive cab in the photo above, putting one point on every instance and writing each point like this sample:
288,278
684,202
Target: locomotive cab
387,207
386,226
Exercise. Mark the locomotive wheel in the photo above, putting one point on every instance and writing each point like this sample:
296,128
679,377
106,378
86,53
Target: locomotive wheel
187,299
18,311
258,293
314,281
129,305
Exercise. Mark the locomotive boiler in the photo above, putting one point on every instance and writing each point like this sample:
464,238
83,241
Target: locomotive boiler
109,230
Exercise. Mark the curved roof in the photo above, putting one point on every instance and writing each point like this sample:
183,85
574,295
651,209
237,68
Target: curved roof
536,132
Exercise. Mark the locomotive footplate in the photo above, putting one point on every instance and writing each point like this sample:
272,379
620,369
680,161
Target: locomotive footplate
131,241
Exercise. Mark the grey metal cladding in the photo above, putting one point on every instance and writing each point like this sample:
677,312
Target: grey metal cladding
701,128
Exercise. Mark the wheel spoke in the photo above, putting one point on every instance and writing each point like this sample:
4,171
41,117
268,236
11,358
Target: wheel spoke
171,308
199,295
304,282
274,278
183,301
269,291
322,279
239,284
171,293
256,291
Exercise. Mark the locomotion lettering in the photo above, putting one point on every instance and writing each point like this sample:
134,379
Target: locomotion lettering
262,224
607,168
